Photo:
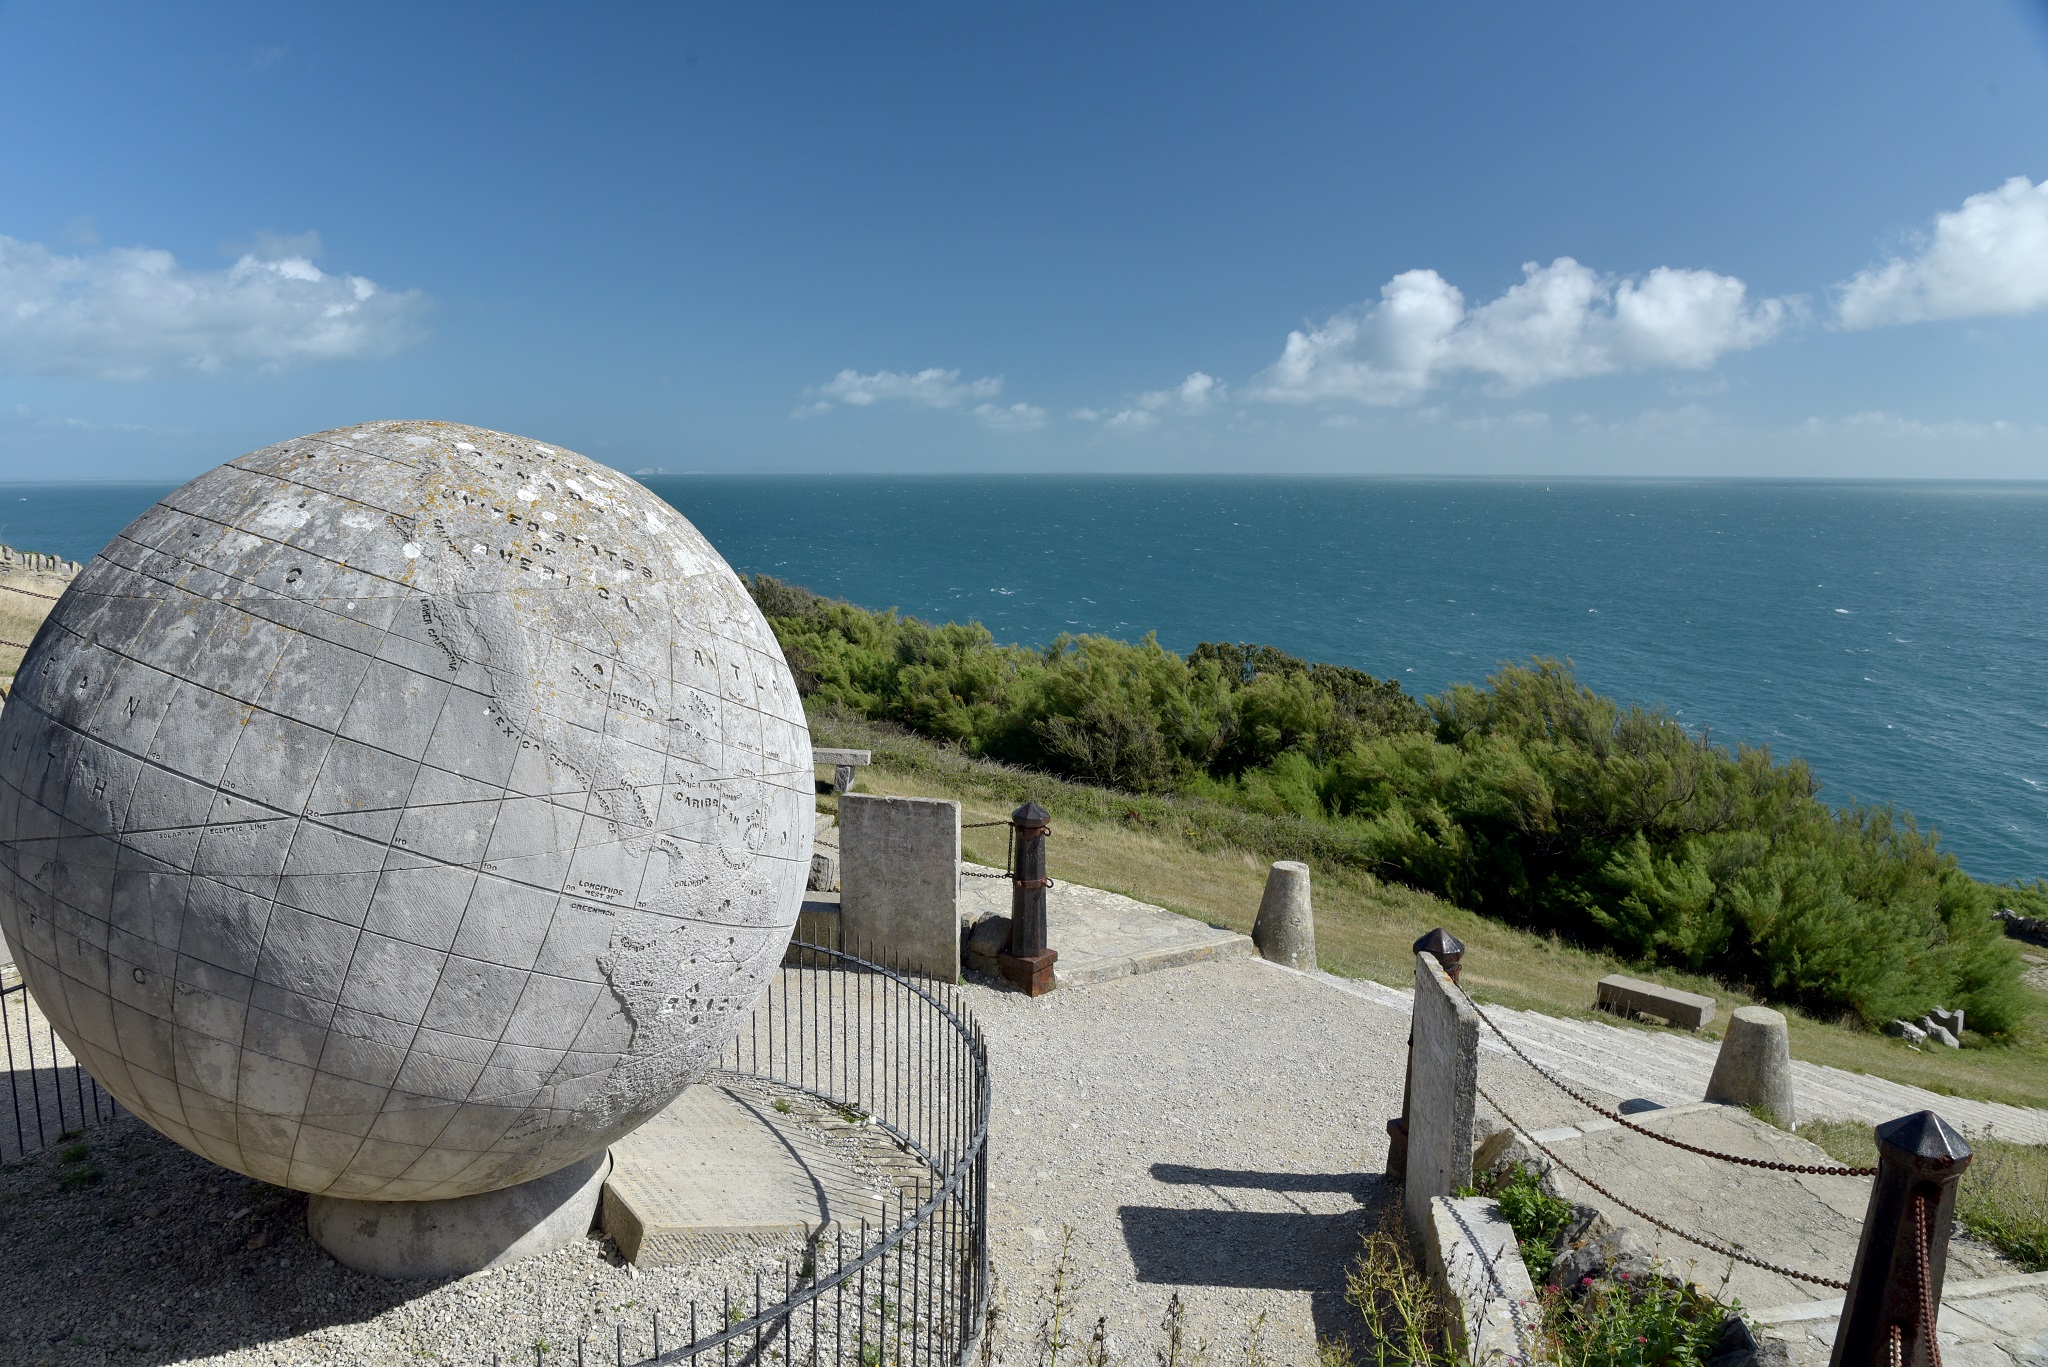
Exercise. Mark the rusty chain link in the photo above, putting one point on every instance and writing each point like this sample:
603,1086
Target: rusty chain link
977,825
1809,1169
16,644
1709,1244
29,593
1927,1306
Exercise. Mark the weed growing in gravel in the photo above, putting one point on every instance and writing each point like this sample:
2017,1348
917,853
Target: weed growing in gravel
782,1105
78,1171
1175,1348
1056,1328
1406,1325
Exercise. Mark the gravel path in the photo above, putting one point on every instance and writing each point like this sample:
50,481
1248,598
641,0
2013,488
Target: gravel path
1215,1130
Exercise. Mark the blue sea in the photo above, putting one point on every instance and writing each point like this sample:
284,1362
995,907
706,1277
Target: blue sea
1891,634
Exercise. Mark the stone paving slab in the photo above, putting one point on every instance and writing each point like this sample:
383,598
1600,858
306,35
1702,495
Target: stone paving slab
1102,935
1984,1322
723,1168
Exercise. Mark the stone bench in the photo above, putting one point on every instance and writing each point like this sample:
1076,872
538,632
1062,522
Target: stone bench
843,763
1632,996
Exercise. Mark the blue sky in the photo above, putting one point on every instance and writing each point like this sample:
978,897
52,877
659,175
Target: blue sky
1589,239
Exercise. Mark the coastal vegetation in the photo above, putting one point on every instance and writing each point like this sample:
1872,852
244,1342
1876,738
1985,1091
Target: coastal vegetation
1529,799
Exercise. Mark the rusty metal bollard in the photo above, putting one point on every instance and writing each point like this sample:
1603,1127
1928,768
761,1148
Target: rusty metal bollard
1894,1297
1027,962
1449,951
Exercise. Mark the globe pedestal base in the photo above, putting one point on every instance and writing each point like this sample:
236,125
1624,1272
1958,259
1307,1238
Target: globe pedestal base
415,1239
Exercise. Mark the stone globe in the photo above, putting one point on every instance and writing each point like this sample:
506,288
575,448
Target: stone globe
402,812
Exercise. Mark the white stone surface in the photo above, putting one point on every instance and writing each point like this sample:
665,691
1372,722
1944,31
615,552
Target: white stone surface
410,1240
1443,1074
1478,1269
1754,1067
402,812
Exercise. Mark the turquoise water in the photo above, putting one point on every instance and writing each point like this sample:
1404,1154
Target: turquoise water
1891,634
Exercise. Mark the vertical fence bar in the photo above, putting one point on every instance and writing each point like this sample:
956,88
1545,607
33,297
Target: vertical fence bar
13,1084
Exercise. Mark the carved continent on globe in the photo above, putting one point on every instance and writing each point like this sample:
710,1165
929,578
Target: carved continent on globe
402,812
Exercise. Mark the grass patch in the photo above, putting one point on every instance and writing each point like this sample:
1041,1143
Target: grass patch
2003,1199
1207,860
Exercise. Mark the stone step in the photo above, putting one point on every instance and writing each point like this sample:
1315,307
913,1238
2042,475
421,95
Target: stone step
737,1164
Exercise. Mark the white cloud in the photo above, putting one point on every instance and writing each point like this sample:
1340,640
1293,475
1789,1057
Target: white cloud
1990,256
932,388
1896,427
1192,397
134,313
1563,321
1017,417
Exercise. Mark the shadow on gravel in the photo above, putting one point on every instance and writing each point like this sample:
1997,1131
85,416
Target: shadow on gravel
1266,1231
120,1247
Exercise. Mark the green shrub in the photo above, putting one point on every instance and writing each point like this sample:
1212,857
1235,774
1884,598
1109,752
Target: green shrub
1538,1218
1531,799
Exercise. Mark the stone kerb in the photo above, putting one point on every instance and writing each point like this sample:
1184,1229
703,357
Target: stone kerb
1443,1069
1478,1270
899,882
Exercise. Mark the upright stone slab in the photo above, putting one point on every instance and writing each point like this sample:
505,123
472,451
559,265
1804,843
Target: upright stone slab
1285,931
899,882
1443,1079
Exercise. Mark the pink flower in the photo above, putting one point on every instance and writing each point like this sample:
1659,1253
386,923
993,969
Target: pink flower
1624,1276
1585,1281
1641,1339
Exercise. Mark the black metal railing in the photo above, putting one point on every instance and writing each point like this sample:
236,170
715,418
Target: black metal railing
901,1057
895,1060
53,1096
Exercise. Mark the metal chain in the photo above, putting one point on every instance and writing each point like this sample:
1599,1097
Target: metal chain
1812,1169
1706,1243
16,644
977,825
1927,1306
29,593
977,873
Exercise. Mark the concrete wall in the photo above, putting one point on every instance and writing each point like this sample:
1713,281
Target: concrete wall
899,882
1443,1071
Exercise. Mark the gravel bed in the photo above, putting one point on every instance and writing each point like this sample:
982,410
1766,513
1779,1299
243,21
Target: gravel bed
122,1248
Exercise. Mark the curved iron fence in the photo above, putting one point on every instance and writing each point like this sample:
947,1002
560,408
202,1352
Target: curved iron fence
53,1096
897,1061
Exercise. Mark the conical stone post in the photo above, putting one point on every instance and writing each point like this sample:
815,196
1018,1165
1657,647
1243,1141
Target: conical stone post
1286,929
1754,1067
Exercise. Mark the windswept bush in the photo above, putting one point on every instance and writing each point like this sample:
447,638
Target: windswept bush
1531,799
